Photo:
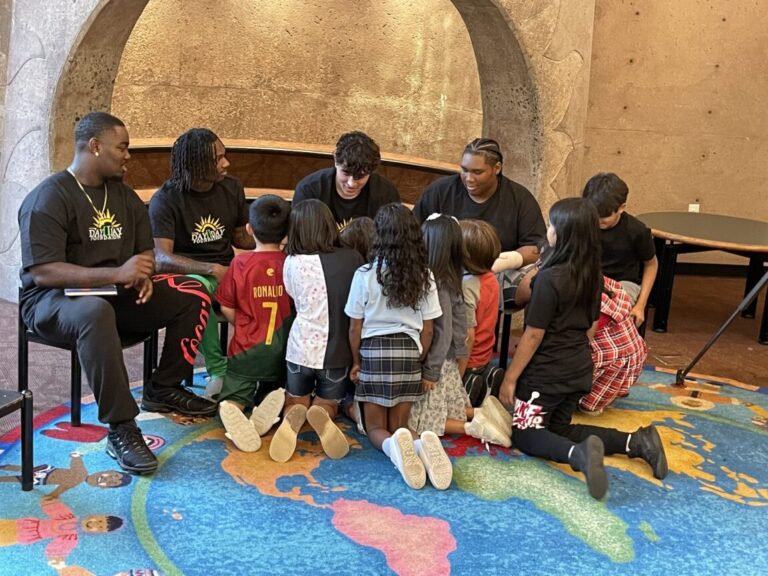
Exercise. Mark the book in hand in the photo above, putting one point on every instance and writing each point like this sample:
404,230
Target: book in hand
108,290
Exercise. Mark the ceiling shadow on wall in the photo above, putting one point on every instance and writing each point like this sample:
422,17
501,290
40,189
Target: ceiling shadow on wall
510,113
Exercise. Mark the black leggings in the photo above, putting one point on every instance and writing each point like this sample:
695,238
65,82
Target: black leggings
179,304
542,425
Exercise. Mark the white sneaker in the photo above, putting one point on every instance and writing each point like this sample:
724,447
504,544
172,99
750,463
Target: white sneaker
436,461
283,443
332,439
238,428
213,387
403,456
267,414
493,407
486,429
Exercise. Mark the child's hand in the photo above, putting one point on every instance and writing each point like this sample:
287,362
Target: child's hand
427,385
354,373
638,313
507,392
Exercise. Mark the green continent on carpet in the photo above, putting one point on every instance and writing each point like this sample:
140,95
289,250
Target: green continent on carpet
211,509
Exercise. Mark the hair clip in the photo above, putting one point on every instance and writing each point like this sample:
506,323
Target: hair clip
436,215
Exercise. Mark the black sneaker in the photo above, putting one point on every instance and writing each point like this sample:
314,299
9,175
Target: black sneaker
587,457
646,444
177,399
475,387
494,376
126,445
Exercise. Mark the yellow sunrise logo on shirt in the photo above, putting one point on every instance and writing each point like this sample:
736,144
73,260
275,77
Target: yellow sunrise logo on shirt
209,229
105,227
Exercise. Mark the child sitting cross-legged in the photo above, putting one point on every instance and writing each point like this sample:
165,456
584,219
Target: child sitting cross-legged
253,298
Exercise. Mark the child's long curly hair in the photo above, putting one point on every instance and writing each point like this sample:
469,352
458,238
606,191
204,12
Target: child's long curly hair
400,257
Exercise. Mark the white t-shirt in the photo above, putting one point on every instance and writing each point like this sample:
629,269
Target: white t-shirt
366,301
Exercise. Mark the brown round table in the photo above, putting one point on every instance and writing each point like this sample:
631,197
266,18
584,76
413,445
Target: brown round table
686,232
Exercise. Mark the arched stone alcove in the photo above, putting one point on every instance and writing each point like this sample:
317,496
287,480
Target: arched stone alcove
509,110
532,59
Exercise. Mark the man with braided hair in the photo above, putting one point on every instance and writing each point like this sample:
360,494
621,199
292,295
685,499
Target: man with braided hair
197,216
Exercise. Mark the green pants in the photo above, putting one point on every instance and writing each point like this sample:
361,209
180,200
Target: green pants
210,348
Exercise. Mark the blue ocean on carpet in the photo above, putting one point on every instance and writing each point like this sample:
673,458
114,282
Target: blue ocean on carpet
211,509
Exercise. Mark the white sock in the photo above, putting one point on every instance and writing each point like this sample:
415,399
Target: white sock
417,445
385,446
629,437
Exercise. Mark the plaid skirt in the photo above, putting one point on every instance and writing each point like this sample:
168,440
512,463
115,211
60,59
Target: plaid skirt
390,371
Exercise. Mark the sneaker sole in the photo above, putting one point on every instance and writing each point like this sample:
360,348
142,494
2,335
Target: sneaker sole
239,429
266,414
158,406
594,471
332,439
132,469
436,462
413,473
498,411
283,443
489,430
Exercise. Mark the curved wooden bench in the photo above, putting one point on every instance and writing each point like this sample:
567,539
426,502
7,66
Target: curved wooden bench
266,166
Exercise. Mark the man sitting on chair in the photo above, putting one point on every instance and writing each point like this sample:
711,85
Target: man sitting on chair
84,228
197,216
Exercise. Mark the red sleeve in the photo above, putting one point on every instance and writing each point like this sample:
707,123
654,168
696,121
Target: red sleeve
226,292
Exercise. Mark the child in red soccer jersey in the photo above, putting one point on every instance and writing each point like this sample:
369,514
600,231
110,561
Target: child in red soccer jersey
253,298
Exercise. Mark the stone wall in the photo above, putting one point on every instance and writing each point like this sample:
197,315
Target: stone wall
524,82
677,105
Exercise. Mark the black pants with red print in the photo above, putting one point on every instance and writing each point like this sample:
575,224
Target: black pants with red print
179,304
542,424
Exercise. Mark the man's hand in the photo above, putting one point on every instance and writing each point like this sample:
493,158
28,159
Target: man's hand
145,291
135,270
218,271
638,313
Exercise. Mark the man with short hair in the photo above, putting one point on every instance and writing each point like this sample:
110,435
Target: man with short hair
197,216
352,188
84,228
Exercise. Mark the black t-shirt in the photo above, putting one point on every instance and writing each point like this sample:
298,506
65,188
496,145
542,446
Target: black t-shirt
200,224
338,268
377,192
57,223
625,247
512,210
563,361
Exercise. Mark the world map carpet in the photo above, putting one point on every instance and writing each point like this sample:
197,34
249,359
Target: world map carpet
211,509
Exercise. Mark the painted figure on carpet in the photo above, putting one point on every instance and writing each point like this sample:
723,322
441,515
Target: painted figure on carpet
67,478
59,526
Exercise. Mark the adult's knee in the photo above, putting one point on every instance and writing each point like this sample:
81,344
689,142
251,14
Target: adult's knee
94,315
